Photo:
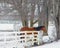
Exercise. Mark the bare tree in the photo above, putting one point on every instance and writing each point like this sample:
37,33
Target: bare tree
53,13
41,18
22,7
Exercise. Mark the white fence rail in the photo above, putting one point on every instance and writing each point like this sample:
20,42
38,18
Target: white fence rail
18,39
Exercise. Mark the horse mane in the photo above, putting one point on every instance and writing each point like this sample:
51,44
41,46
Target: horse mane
38,28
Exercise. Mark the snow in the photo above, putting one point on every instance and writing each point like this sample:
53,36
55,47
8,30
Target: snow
55,44
52,33
6,26
46,39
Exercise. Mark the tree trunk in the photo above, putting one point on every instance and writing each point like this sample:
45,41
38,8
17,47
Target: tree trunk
58,20
32,15
24,13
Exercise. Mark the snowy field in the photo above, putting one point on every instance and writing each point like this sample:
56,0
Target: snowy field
55,44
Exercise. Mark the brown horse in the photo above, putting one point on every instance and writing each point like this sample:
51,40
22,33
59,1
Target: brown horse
34,29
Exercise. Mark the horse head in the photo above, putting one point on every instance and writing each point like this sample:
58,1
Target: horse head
43,28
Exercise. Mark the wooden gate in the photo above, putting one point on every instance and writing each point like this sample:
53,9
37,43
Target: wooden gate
20,39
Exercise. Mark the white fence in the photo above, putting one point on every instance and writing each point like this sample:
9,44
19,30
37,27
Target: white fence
18,39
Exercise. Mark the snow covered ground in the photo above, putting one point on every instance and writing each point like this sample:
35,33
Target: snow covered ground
55,44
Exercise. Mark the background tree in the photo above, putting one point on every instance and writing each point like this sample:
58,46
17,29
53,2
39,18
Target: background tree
41,17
